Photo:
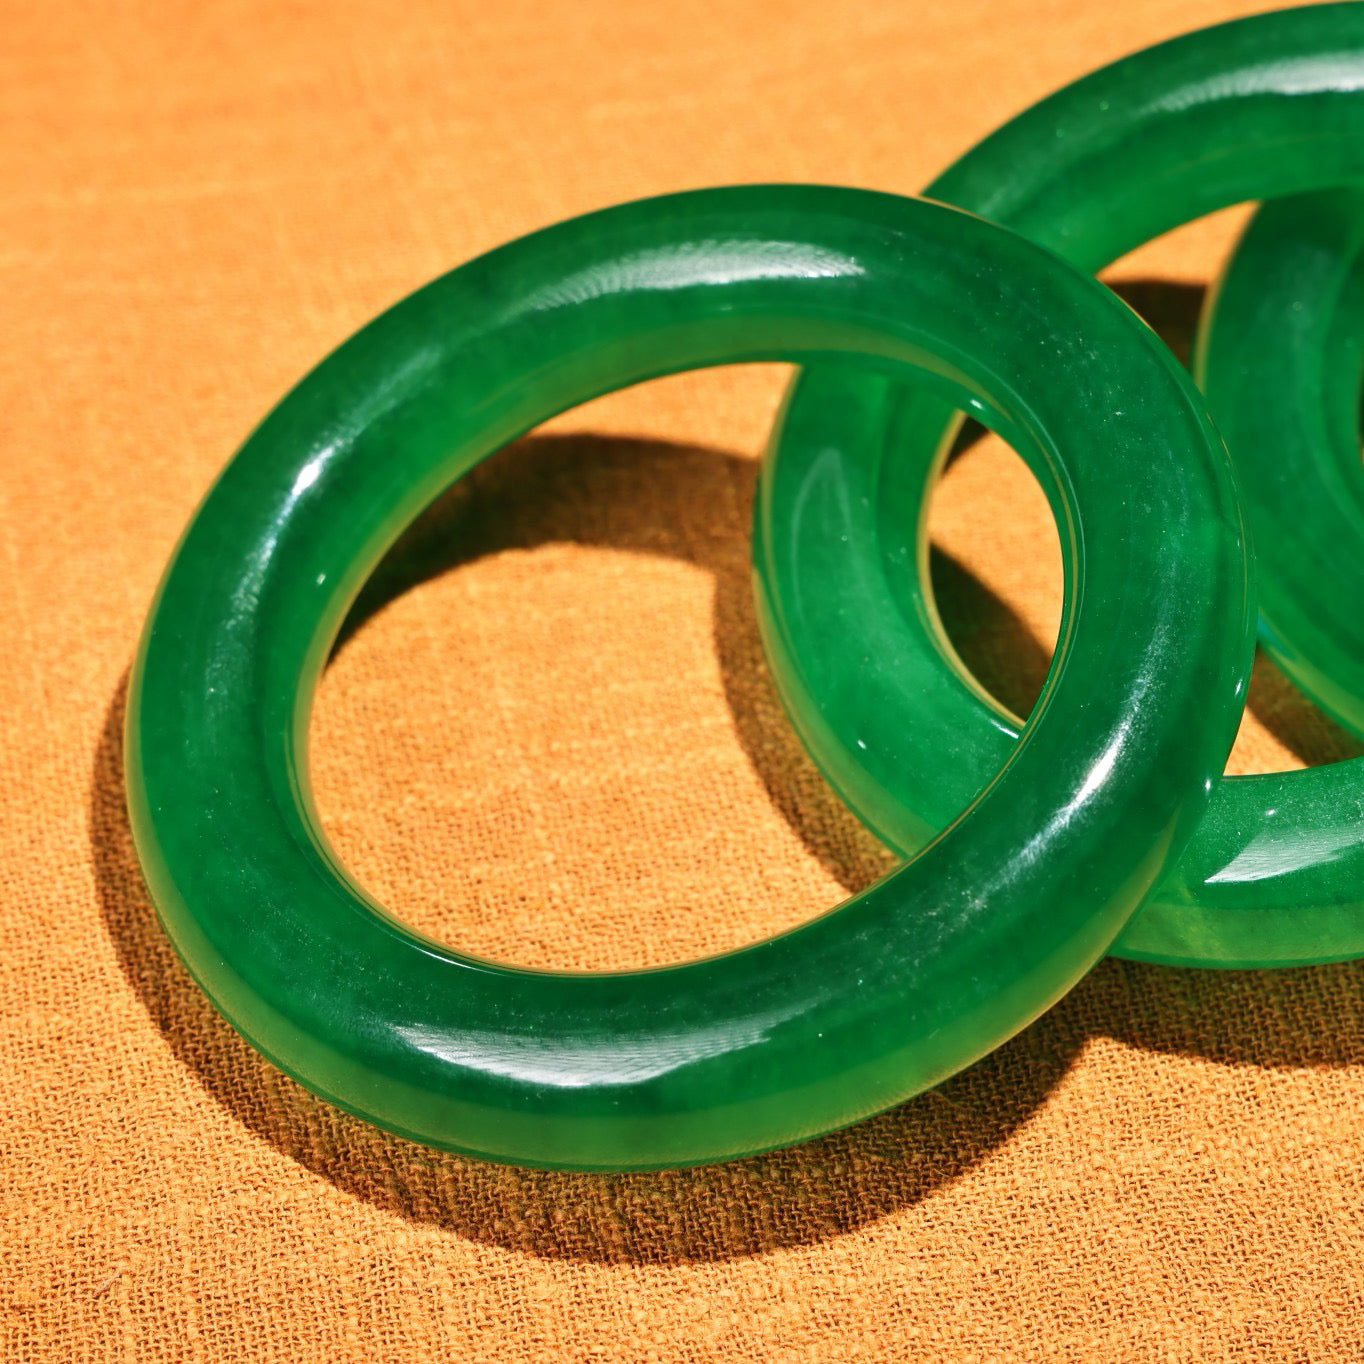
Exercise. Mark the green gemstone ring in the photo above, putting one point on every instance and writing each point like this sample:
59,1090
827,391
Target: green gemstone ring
865,1005
1261,107
1280,361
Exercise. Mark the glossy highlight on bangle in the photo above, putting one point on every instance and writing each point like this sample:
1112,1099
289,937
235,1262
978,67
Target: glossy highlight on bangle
868,1003
1252,109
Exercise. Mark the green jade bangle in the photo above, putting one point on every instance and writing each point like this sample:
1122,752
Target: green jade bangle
1252,109
865,1005
1281,357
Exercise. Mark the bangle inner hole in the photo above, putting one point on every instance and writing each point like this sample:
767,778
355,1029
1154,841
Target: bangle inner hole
553,741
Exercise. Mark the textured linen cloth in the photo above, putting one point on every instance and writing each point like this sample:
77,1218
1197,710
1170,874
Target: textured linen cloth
553,738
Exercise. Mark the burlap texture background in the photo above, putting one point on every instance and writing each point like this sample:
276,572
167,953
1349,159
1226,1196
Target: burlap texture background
554,740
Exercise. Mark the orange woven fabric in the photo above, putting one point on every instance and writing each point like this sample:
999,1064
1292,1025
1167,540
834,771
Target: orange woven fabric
553,738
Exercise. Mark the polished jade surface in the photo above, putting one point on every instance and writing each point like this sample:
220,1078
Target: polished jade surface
864,1005
1280,360
1253,109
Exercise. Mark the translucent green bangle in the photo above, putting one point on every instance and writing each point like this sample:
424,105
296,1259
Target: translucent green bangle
1281,359
865,1005
1265,106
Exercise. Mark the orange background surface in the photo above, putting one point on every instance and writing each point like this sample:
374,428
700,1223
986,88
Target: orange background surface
554,739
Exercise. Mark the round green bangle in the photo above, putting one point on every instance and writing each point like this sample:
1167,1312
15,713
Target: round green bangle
1264,106
1281,358
869,1003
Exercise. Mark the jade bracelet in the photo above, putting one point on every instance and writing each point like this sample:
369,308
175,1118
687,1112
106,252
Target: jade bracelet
868,1003
1281,355
1252,109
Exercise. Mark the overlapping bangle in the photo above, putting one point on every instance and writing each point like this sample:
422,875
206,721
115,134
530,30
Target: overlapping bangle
875,1000
1253,109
